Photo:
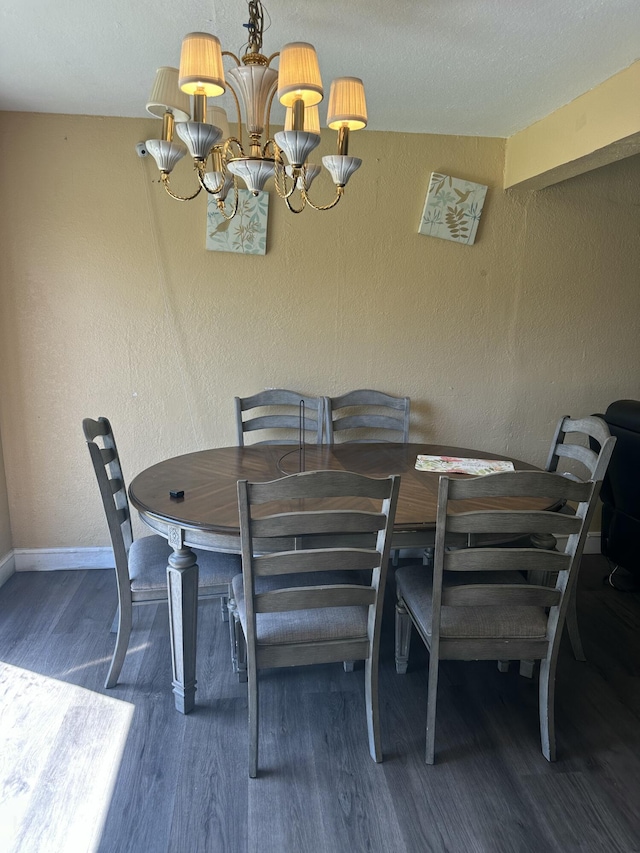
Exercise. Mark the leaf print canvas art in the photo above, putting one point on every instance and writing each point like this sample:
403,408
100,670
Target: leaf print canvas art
452,209
246,232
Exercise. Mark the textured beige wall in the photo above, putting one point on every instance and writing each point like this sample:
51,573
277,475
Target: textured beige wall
110,305
5,523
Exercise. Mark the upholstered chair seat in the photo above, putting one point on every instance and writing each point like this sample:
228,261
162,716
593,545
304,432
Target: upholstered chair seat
413,583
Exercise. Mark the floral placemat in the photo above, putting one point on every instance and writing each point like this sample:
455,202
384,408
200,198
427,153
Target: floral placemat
461,465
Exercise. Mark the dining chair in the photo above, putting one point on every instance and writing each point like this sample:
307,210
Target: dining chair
141,564
371,415
477,605
321,603
368,415
294,416
587,460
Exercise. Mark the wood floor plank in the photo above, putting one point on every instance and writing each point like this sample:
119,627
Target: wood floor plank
62,746
580,818
284,807
181,783
358,812
141,808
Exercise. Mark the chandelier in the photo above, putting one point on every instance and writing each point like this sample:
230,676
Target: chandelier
204,130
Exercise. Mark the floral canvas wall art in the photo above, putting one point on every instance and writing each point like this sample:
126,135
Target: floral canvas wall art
246,232
452,209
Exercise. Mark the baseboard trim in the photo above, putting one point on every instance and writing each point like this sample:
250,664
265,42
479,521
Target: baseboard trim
592,545
7,567
55,559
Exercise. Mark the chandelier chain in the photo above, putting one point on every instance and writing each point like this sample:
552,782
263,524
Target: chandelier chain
255,26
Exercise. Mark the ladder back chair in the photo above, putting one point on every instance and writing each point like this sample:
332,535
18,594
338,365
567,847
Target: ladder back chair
323,602
282,411
372,415
141,564
588,460
477,605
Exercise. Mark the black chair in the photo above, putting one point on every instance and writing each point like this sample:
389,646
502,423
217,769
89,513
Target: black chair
621,491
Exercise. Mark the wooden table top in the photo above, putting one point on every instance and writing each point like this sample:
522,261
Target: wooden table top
208,479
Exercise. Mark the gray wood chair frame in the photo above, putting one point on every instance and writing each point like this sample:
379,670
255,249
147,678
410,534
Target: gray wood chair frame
421,599
324,576
592,464
219,568
381,412
280,410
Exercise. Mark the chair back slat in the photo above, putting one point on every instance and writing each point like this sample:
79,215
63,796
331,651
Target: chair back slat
108,454
92,429
313,522
592,426
505,559
371,421
315,560
273,422
314,597
519,521
530,484
587,457
116,484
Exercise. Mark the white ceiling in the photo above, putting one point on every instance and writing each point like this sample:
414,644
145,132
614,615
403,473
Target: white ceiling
471,67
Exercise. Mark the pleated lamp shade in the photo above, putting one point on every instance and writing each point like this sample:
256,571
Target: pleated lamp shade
347,105
299,75
218,118
201,65
166,96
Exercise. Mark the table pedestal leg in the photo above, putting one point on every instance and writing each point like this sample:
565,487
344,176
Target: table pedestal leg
182,582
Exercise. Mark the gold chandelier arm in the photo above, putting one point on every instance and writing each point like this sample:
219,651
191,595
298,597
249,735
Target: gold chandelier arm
273,56
339,194
295,209
227,146
232,55
221,204
164,177
280,175
280,179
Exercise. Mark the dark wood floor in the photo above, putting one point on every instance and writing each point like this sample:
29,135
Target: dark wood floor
181,783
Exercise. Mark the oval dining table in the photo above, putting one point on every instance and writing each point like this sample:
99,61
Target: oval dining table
191,500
